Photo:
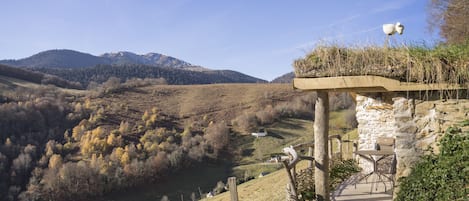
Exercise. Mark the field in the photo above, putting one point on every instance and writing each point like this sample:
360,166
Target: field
9,83
268,188
285,132
185,104
192,106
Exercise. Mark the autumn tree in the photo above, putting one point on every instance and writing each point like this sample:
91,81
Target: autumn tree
124,127
21,168
451,17
112,84
55,161
217,135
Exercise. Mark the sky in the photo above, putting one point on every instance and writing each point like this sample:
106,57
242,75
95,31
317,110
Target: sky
260,38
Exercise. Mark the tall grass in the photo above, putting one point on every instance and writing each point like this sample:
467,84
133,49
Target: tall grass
412,63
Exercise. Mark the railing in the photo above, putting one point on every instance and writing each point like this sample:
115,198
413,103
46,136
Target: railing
295,157
339,153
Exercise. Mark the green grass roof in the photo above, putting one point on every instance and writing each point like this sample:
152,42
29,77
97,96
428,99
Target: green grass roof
441,64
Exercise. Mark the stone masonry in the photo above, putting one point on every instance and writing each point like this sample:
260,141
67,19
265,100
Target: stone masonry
375,119
416,124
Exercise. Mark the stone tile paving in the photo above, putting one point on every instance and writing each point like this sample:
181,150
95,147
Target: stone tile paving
351,190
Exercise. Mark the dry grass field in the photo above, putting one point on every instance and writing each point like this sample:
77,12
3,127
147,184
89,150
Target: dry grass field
271,187
185,104
9,83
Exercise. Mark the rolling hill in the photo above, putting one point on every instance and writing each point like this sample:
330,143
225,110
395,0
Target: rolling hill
58,59
286,78
8,74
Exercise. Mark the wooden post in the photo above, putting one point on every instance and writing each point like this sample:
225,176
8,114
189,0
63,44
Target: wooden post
201,194
293,173
310,153
233,188
348,145
355,148
291,188
321,160
339,145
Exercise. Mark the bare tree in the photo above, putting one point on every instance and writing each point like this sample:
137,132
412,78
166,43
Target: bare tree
451,17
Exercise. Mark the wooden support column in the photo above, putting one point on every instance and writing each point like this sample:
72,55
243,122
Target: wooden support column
310,153
321,136
233,189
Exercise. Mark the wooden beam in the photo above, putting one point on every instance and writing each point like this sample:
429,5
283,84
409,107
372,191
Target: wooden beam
321,133
368,83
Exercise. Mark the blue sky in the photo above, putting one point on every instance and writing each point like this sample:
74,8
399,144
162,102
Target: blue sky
257,37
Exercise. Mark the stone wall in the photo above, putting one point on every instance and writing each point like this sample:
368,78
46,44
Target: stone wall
375,119
416,124
428,121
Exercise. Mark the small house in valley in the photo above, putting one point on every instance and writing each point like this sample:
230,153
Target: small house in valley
262,132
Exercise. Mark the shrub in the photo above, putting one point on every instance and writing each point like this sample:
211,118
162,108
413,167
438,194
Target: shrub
440,177
340,171
246,122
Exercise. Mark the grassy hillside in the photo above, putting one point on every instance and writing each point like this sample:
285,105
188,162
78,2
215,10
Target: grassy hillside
284,133
183,106
186,104
286,78
8,84
36,77
268,188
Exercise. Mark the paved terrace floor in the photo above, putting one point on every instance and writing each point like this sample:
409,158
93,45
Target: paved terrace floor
348,191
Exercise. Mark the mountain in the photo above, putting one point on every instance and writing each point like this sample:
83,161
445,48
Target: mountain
58,59
286,78
151,59
83,68
102,73
75,59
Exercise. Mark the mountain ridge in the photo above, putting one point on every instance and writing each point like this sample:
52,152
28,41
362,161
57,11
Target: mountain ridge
285,78
66,58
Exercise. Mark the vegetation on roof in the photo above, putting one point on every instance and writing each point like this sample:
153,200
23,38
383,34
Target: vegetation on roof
422,64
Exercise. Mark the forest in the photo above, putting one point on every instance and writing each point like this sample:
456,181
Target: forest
101,73
61,148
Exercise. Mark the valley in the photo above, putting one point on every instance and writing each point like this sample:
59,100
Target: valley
142,139
127,136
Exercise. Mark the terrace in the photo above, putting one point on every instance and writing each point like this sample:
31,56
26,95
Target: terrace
411,94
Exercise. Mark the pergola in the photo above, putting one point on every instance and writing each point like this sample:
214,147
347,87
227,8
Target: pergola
357,84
